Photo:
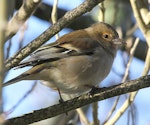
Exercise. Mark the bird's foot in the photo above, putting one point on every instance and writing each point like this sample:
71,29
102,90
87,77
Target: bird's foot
94,89
61,101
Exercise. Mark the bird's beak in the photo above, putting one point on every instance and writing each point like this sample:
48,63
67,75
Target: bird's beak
119,42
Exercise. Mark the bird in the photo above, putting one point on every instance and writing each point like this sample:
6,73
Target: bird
75,62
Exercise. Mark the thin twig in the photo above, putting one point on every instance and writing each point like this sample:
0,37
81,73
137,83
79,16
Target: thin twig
140,21
146,32
54,15
131,114
124,77
95,114
128,118
82,116
20,17
101,16
147,63
123,107
21,100
144,10
130,59
112,110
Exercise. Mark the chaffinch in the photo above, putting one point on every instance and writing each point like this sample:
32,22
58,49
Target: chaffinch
76,61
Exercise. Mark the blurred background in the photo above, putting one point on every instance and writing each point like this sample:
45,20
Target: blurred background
26,96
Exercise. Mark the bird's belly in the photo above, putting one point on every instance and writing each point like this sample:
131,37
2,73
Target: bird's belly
80,75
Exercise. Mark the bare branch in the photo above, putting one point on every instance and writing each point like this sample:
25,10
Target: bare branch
45,36
140,21
103,93
3,19
82,116
127,103
130,59
44,12
20,17
21,100
54,15
112,110
144,28
95,114
101,15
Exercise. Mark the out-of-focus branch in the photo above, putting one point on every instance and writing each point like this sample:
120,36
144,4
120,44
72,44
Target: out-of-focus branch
95,114
22,99
132,51
54,15
112,110
144,28
101,94
127,103
137,10
3,20
44,12
120,112
20,17
82,116
145,14
101,15
45,36
140,21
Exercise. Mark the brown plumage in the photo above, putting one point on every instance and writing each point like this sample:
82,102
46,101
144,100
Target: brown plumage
76,60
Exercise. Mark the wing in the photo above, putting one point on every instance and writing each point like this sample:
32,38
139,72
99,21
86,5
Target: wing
73,46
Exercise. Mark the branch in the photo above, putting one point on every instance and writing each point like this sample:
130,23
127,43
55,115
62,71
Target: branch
100,94
20,17
3,19
143,27
54,15
45,36
44,12
129,101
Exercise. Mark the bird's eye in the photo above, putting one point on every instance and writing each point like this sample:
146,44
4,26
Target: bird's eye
106,36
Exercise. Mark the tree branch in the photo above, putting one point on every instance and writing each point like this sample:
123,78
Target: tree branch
20,17
143,27
45,36
44,12
100,94
128,102
3,20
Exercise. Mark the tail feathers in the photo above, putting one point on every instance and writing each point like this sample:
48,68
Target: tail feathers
16,79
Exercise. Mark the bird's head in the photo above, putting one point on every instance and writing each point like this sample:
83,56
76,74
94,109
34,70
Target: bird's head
106,35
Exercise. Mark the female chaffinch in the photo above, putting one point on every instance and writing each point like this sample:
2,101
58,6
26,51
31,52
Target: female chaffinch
76,61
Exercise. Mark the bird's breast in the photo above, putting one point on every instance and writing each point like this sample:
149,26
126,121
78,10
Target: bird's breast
73,74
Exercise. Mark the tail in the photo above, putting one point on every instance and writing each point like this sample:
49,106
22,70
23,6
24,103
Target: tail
16,79
28,75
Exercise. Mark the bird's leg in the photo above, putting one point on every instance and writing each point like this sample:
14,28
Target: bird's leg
61,99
